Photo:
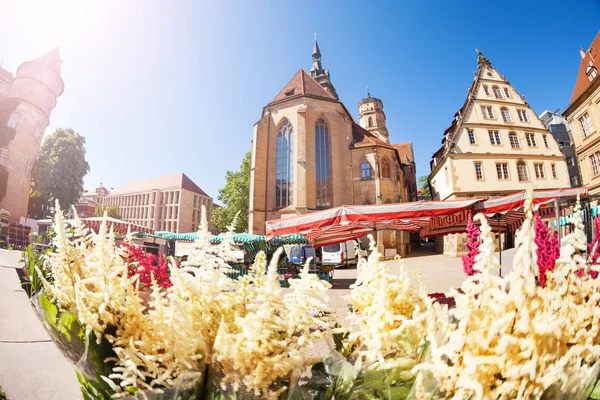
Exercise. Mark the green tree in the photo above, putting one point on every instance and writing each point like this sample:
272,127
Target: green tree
424,186
235,196
112,212
58,172
7,107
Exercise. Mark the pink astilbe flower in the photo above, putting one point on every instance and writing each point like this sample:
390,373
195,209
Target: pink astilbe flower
548,249
472,246
147,265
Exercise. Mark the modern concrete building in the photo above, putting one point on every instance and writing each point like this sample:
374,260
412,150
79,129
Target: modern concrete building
561,130
583,115
35,88
496,145
308,153
168,203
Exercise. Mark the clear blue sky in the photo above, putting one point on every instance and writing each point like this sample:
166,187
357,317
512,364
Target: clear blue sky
159,87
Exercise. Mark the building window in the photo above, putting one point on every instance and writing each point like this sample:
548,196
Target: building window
472,139
12,121
546,141
574,181
522,171
365,169
594,159
486,89
591,73
507,92
478,171
570,161
323,156
586,125
370,122
3,156
284,173
505,114
497,92
367,202
494,137
487,112
28,166
385,168
447,174
530,140
4,89
37,133
26,88
539,170
502,171
522,115
514,140
553,167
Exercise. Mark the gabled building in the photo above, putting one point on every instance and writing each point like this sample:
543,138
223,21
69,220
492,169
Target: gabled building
308,154
561,130
35,89
583,115
495,145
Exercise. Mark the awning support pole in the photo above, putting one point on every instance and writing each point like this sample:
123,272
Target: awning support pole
497,216
557,218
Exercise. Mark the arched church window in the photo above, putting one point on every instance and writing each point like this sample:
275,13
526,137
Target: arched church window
370,122
385,168
323,167
283,174
365,170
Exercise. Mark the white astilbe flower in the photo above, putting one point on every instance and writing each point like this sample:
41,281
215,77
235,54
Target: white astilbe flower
515,339
389,317
154,342
265,343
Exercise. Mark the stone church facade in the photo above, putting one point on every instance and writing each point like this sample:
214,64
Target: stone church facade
308,154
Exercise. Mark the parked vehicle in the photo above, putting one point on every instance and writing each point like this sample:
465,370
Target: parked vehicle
299,254
341,253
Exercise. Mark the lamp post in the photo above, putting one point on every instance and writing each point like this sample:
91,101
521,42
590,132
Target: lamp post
497,216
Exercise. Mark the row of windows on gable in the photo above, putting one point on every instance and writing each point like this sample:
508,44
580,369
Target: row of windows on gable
27,167
513,138
14,120
497,91
488,113
502,171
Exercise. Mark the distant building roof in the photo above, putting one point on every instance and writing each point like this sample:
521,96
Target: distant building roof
589,59
405,151
363,138
175,181
302,84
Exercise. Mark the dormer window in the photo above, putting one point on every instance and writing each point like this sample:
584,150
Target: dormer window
591,73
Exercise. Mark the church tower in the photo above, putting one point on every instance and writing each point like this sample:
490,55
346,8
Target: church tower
318,73
372,117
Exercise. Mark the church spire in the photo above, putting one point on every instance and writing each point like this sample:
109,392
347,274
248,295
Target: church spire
317,68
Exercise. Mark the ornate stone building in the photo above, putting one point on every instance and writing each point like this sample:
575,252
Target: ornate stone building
308,153
36,86
496,145
583,115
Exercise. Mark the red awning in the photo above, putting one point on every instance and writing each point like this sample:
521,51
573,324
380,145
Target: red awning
430,218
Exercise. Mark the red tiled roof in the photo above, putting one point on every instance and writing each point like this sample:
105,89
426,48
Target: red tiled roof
302,84
364,138
591,59
405,151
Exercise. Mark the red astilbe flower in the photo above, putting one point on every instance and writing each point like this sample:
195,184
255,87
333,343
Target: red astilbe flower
147,265
472,246
548,248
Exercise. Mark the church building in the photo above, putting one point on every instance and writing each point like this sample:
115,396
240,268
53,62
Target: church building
309,154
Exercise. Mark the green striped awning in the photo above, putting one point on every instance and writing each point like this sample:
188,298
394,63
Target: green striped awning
564,221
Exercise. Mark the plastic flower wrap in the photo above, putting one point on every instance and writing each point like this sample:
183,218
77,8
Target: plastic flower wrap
130,342
513,338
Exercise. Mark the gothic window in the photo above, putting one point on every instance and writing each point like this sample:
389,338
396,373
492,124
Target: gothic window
365,170
3,156
284,173
385,168
12,121
370,122
323,156
522,171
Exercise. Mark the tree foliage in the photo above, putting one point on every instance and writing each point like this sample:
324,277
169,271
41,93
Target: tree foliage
235,196
58,172
7,107
112,212
424,186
